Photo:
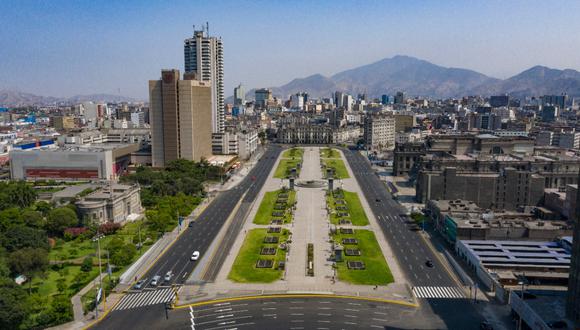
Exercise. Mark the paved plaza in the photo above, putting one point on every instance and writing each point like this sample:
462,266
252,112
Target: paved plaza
310,225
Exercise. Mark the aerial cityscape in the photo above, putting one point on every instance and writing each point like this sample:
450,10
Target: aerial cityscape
302,165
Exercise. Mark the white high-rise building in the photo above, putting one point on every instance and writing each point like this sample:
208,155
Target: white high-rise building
204,56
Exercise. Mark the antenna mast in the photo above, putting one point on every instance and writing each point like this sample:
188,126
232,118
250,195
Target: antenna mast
207,28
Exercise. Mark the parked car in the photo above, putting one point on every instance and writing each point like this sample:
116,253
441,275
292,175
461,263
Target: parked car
195,255
140,284
155,280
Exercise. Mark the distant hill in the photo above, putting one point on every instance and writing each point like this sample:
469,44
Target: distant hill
421,78
538,80
11,98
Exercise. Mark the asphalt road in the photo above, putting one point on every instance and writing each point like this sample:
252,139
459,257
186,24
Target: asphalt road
282,313
206,227
409,248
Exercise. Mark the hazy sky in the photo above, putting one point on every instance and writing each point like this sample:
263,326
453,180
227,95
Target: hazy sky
69,47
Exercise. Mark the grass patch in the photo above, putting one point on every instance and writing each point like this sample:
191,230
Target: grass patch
264,214
329,153
357,214
377,271
295,153
340,171
285,166
244,268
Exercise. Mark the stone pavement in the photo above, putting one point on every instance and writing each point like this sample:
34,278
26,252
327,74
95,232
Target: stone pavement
310,225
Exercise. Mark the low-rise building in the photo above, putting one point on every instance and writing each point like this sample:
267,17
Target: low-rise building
101,162
463,220
116,203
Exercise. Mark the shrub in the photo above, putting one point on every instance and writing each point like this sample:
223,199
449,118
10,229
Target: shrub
87,265
109,228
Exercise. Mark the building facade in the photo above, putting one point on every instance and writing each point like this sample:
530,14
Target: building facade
112,203
379,131
181,114
204,57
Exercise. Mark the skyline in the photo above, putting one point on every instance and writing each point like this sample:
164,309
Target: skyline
129,43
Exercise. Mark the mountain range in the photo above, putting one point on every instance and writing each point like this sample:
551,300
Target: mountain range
417,77
12,98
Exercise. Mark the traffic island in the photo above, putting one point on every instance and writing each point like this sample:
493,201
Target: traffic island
290,164
358,258
276,207
345,208
293,153
329,153
262,257
335,167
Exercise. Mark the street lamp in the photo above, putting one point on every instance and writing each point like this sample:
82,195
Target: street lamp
97,239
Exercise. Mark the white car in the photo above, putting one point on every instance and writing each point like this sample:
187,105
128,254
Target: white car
195,256
168,276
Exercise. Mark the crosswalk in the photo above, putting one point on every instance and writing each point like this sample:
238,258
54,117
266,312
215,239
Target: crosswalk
145,298
441,292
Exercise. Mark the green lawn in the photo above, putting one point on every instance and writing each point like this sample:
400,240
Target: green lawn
357,214
244,268
264,214
377,271
285,166
47,286
329,153
296,153
339,168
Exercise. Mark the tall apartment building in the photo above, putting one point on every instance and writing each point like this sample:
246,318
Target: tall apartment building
379,131
204,56
180,113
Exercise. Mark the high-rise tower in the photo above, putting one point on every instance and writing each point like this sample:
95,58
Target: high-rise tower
180,111
204,57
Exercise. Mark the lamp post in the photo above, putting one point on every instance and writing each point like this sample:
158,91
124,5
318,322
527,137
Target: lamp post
97,239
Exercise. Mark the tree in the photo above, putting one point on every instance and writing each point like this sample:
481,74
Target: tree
43,207
9,217
124,255
18,237
17,194
33,219
13,307
61,218
30,262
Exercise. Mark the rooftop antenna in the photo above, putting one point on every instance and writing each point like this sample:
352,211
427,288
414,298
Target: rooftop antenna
207,28
193,28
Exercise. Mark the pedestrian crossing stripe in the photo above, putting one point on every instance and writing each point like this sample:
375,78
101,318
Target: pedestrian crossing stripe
440,292
145,298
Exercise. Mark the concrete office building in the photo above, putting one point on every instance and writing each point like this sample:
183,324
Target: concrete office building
379,131
263,96
62,122
180,113
204,56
